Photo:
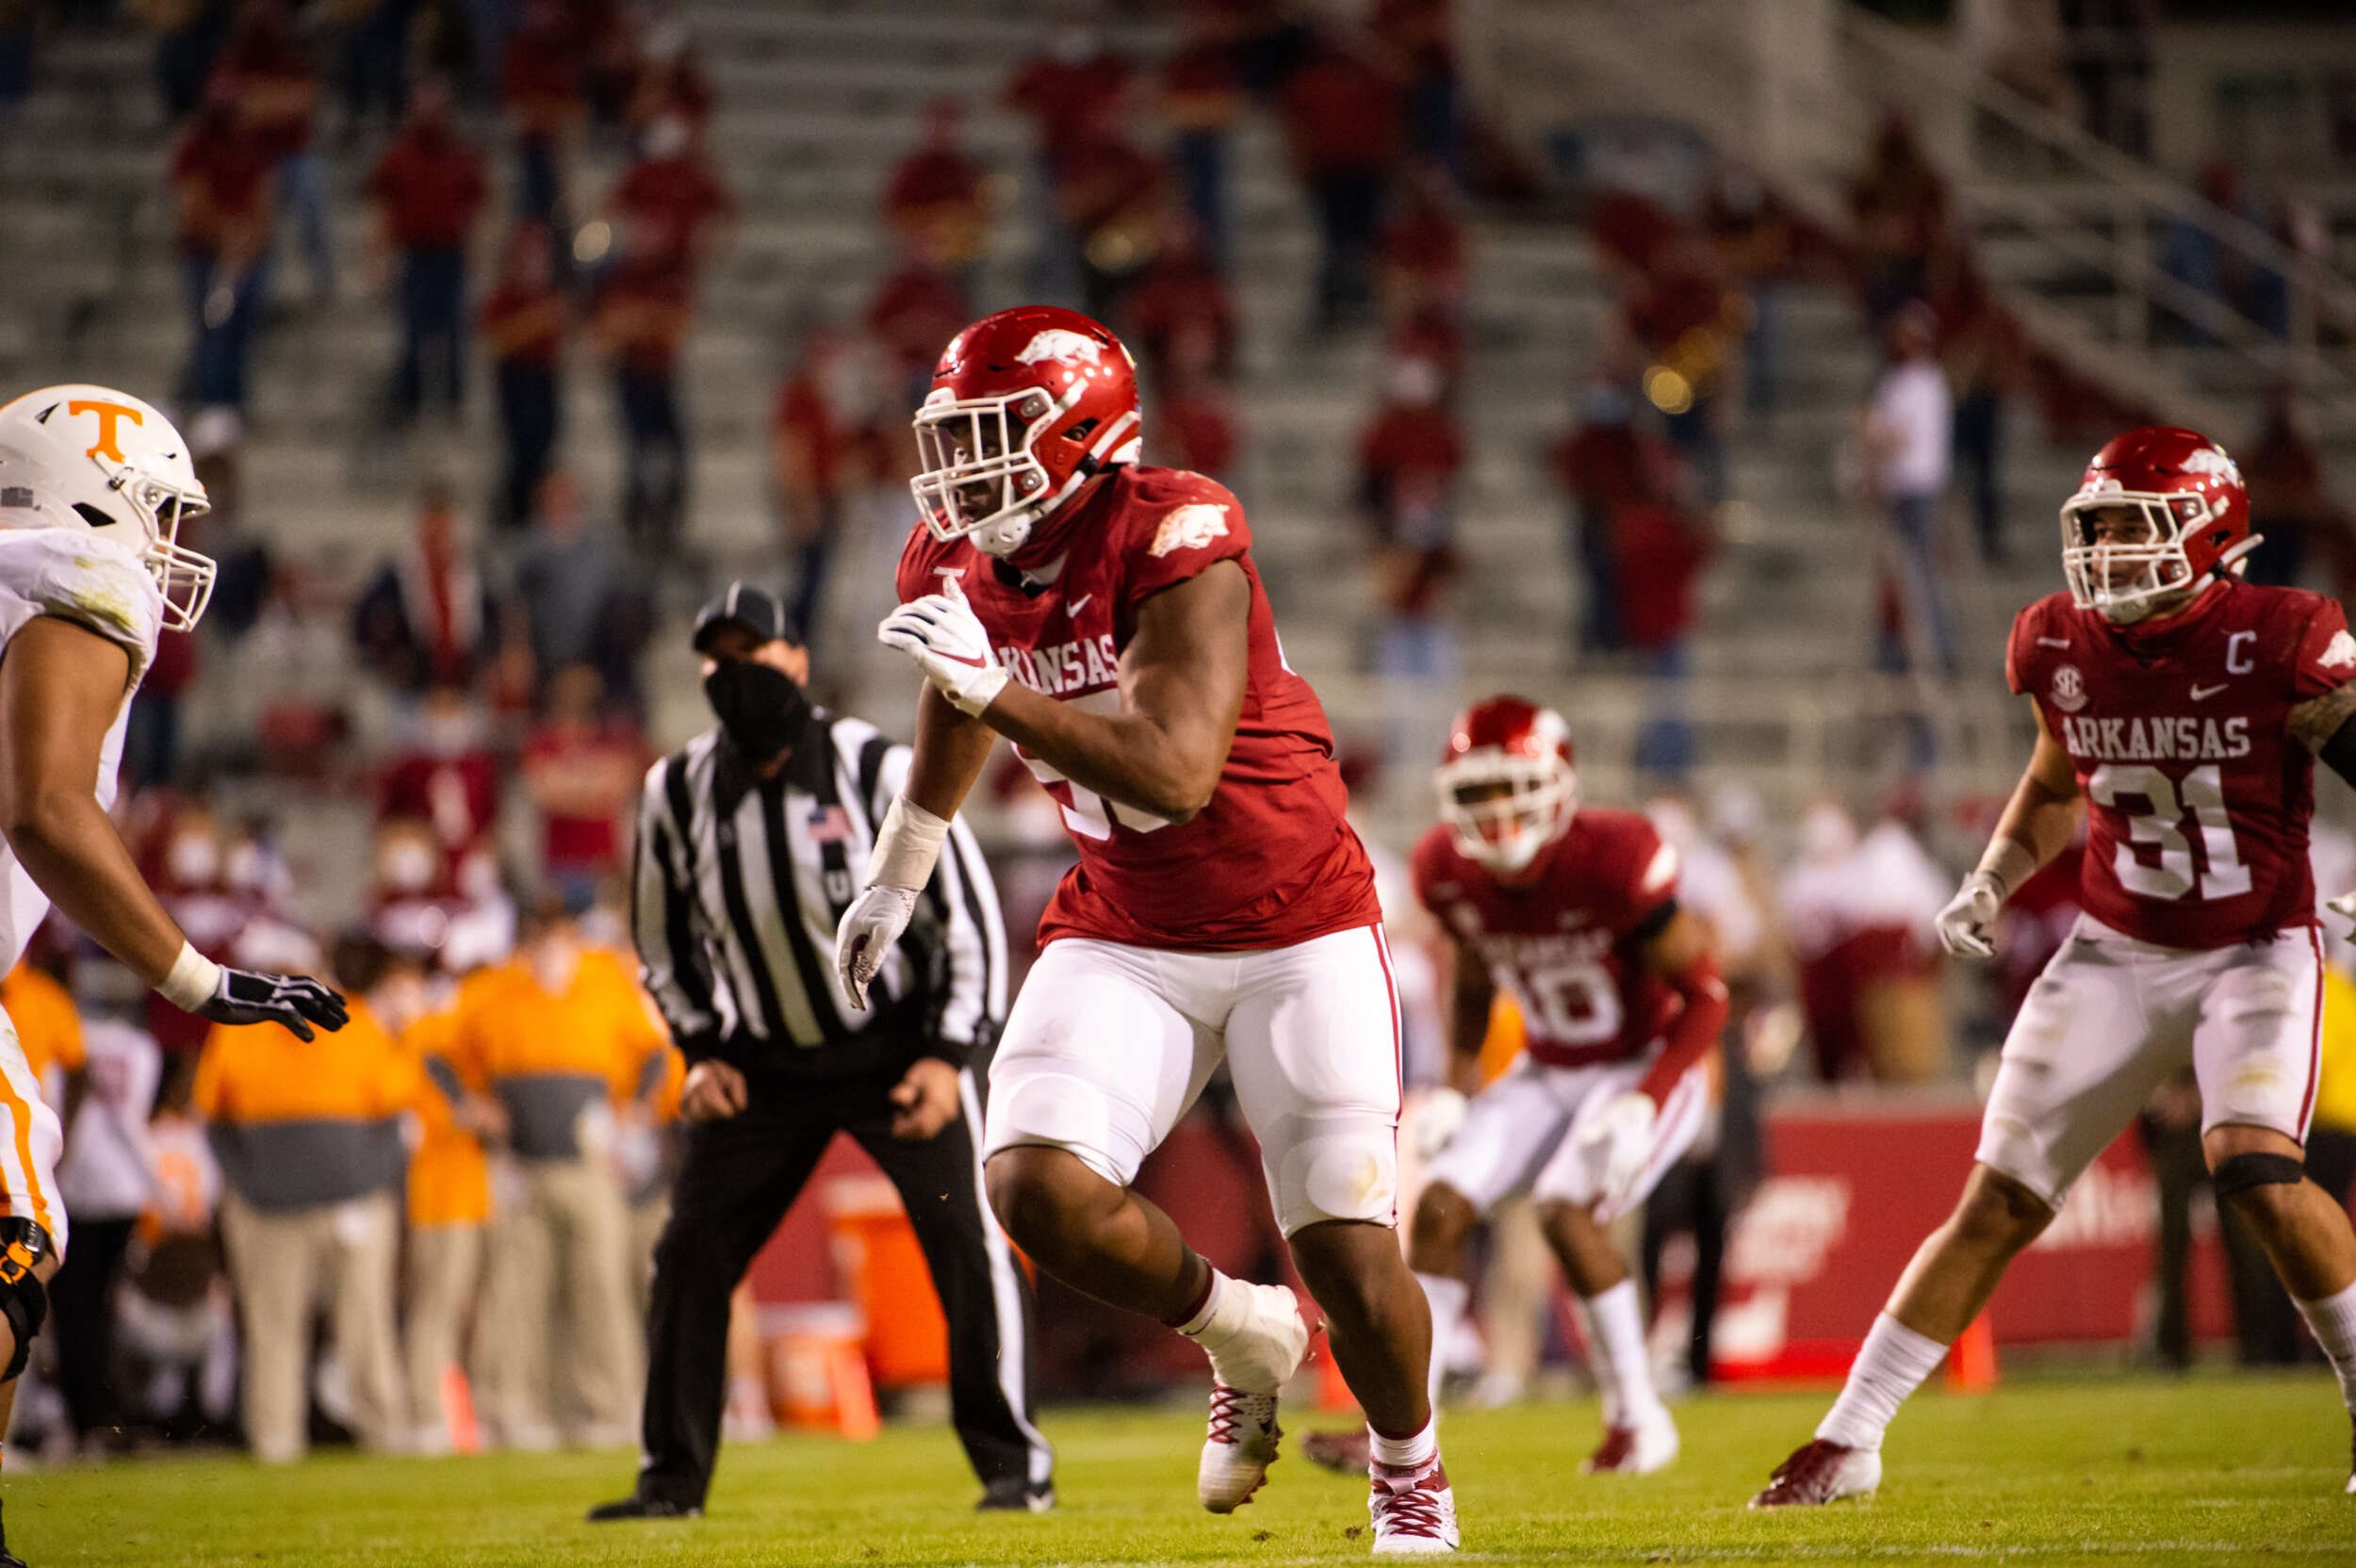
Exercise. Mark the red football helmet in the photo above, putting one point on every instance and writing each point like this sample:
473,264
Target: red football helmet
2194,521
1027,405
1507,787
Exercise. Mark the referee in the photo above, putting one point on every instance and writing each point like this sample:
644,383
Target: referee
752,840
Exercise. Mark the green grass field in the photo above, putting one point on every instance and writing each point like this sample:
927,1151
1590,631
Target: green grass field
2217,1469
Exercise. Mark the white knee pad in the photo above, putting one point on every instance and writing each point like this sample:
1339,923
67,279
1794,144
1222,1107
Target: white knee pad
1347,1170
1062,1112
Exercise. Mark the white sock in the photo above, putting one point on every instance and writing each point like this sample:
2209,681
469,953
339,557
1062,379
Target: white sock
2333,1320
1449,1297
1892,1365
1195,1327
1615,1322
1408,1453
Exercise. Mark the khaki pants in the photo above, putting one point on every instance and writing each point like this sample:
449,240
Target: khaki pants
560,1274
283,1262
445,1261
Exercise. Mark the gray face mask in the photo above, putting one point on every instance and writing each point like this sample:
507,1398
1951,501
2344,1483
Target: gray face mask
761,707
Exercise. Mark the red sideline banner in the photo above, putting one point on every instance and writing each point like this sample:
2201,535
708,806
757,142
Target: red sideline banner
1856,1186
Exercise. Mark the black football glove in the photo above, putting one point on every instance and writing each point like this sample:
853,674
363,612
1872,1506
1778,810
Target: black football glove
290,1000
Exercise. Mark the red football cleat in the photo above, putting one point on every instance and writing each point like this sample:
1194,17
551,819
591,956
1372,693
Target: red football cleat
1821,1472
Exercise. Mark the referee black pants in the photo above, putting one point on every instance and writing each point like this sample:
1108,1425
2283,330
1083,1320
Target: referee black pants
736,1179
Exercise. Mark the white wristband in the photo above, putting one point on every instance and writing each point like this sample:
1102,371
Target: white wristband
193,980
906,846
2009,863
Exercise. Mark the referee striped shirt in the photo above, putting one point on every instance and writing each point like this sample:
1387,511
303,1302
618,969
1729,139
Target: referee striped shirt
740,883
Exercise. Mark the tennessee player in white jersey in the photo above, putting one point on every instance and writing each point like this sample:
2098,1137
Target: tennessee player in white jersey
93,486
2183,710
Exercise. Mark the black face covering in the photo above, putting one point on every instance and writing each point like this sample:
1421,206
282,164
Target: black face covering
761,707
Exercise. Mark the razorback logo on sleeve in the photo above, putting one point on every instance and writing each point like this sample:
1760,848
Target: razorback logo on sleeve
2340,653
1189,527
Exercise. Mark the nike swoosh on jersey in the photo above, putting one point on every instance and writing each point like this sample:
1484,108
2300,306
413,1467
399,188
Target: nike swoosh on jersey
2202,693
1077,605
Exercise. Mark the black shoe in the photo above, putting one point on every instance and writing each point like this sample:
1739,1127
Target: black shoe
1010,1496
634,1507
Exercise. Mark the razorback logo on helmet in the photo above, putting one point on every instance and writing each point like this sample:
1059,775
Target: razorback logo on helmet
1189,527
2339,653
1061,344
2211,460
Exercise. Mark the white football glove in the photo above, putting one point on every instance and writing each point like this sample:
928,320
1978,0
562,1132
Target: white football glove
2343,905
869,929
1438,1115
1965,924
1617,1145
947,640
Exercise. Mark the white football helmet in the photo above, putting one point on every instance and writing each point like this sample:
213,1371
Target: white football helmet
93,458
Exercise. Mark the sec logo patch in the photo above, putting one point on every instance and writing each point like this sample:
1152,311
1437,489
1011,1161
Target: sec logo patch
2069,688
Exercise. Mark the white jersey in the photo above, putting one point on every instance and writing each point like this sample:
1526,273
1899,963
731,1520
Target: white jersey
96,582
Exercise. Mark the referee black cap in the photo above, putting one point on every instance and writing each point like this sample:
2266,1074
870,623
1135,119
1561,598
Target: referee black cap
740,603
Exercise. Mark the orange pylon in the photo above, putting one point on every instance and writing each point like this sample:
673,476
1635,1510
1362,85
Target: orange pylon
1971,1360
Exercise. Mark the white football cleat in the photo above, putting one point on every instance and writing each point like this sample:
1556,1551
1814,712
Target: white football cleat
1251,1362
1821,1472
1414,1511
1638,1448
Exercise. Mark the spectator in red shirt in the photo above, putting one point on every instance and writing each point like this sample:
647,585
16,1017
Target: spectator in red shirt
1343,119
222,196
673,201
1418,44
523,326
829,441
425,620
1660,546
582,770
1201,98
1423,251
541,80
669,80
913,314
1113,196
445,773
1410,459
1679,321
1602,464
1063,93
933,203
1180,310
639,315
428,187
277,92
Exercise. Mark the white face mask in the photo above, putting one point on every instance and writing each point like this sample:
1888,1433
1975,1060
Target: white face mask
554,963
193,859
406,866
244,869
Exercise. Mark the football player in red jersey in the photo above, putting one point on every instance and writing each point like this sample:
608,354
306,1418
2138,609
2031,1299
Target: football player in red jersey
1106,617
1571,911
2183,710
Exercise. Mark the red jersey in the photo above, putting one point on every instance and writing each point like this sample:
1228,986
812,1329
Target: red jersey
1270,861
2198,799
1562,941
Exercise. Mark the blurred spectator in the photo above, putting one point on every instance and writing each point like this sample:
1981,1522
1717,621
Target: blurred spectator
2109,58
1073,85
1980,352
103,1181
913,313
422,899
934,203
1423,251
541,81
376,59
428,187
308,1134
220,187
1676,328
1898,204
1409,461
669,207
2287,507
425,618
523,326
2193,256
639,315
582,770
277,93
1659,547
1908,434
1197,425
1859,913
1113,196
1417,38
1180,317
151,741
1601,465
1752,238
831,437
1201,98
1343,120
445,773
564,1040
669,80
582,603
189,37
177,1330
